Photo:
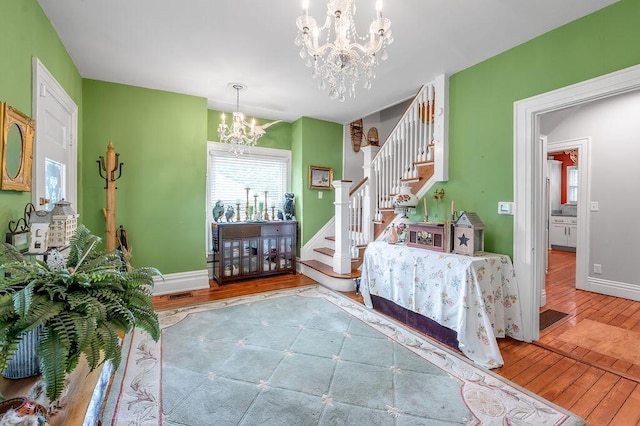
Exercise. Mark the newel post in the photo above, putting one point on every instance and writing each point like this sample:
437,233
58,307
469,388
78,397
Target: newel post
371,195
342,255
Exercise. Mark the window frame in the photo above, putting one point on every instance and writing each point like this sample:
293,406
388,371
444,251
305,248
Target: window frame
219,148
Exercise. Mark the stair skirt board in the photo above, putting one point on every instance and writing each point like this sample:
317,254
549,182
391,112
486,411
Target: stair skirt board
336,284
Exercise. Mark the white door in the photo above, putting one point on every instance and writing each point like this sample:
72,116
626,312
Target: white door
55,147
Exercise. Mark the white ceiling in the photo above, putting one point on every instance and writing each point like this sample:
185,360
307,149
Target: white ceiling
197,47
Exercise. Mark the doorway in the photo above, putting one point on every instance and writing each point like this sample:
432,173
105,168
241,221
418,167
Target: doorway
55,150
530,222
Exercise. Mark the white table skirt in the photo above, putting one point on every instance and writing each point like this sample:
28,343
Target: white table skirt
475,296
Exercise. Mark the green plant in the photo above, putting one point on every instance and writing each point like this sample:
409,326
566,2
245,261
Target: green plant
82,303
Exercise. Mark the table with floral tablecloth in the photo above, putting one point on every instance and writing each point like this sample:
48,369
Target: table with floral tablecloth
475,296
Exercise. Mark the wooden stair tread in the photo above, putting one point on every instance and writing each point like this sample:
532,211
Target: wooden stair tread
325,250
328,270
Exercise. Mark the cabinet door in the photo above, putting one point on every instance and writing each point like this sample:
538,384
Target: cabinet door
231,258
558,234
286,253
269,254
572,233
250,256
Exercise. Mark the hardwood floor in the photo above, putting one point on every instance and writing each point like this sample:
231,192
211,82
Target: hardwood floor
602,389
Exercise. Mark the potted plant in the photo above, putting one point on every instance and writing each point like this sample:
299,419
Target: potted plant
80,304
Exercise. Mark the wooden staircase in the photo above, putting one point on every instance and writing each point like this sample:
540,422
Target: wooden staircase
414,155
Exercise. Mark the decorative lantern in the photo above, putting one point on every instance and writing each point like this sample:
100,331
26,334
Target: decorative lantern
468,234
64,222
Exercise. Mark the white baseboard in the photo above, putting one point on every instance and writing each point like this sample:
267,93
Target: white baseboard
181,281
613,288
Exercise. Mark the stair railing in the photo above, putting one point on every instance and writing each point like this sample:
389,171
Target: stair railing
419,138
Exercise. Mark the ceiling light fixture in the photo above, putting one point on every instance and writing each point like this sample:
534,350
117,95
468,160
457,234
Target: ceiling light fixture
241,136
340,64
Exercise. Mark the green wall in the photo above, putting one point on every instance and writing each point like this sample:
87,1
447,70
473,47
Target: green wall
162,141
481,102
27,33
315,143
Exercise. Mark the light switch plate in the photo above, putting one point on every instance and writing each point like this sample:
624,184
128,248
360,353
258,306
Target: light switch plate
595,206
505,207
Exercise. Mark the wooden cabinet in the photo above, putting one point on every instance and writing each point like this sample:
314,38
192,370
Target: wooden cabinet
563,231
253,249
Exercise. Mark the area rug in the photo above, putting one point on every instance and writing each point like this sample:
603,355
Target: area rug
307,356
550,317
605,339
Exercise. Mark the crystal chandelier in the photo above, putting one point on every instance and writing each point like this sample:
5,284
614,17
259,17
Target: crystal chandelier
340,64
241,136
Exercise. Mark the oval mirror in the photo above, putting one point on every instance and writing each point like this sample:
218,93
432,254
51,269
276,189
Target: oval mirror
14,151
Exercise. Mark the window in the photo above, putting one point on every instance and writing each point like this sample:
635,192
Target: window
572,185
263,169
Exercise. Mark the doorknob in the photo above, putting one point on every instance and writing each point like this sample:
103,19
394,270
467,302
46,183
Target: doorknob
44,201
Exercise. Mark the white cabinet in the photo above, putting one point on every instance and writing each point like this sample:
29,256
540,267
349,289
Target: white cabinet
563,231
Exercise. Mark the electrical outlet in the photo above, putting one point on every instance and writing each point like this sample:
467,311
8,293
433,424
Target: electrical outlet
595,206
597,268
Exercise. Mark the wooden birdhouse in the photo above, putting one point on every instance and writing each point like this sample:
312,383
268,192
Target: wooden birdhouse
468,234
64,222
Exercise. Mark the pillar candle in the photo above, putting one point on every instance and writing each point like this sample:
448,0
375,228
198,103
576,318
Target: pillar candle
260,206
452,210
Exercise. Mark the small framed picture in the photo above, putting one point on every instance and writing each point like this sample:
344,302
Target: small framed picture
320,177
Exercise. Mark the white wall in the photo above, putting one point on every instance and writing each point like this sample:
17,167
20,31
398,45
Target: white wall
614,128
384,121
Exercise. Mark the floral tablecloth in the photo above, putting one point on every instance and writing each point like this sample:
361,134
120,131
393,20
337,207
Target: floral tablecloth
475,296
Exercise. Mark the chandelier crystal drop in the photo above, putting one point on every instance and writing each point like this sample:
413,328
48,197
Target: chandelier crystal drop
340,64
241,136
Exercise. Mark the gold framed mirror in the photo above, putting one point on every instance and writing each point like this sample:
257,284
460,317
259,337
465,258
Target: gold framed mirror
16,149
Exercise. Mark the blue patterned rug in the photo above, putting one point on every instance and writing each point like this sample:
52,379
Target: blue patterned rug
307,356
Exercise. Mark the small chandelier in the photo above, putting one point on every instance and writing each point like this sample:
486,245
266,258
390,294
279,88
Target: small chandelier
241,136
340,64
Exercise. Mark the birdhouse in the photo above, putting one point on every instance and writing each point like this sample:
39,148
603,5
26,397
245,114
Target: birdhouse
64,222
39,230
468,234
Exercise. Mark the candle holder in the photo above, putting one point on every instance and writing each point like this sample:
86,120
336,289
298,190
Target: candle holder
273,212
255,207
246,212
266,209
237,212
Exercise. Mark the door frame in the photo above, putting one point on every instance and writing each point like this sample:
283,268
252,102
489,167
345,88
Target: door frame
45,84
529,225
584,199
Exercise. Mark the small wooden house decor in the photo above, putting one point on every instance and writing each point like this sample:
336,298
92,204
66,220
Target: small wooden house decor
468,234
39,230
429,235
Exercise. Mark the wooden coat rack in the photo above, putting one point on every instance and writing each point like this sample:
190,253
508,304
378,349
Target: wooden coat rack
107,170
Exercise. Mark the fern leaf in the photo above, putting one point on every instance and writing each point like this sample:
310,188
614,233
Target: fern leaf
53,360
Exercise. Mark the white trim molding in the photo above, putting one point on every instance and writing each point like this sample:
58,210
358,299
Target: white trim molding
613,288
529,225
181,281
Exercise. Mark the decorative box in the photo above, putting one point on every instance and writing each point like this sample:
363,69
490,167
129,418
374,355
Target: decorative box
431,236
468,234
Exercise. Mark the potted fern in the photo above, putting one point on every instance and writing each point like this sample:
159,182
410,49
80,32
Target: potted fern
78,305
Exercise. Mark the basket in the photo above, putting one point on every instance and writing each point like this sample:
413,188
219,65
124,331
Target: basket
22,406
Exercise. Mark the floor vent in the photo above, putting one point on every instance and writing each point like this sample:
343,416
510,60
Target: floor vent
180,295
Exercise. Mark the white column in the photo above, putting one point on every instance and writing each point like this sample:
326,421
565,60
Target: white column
370,202
342,256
